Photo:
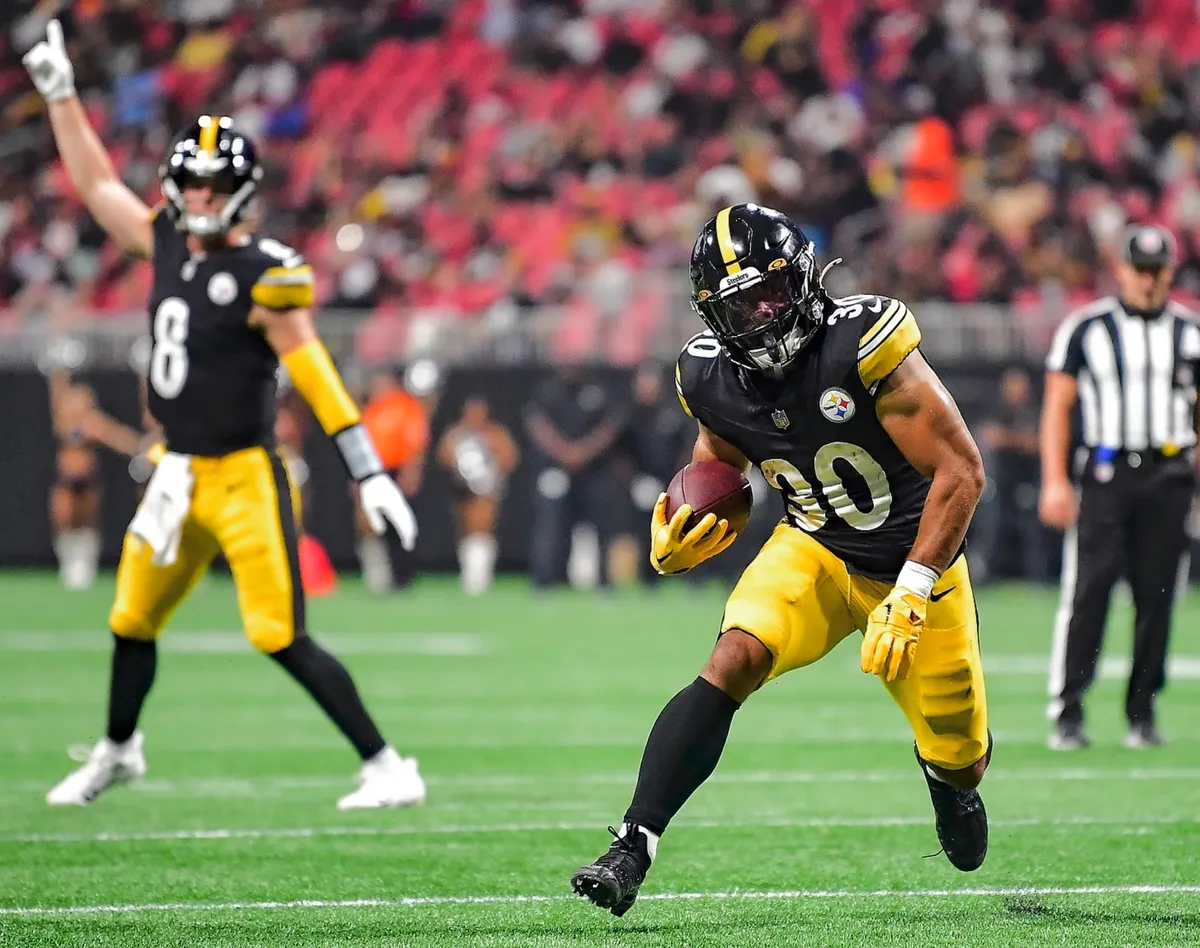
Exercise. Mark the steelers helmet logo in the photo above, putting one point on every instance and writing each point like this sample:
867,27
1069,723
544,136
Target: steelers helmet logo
222,288
837,405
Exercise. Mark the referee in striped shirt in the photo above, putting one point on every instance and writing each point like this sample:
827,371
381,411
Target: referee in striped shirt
1130,362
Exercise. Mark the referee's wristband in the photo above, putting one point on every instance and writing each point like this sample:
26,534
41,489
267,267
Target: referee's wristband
358,452
917,578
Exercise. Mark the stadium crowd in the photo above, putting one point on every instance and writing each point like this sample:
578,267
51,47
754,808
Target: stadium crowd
441,160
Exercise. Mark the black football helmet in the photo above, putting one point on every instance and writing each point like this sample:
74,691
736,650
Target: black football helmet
756,286
211,153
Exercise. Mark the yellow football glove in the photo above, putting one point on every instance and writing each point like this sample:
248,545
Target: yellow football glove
673,551
895,625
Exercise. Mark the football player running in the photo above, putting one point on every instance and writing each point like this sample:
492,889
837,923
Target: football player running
226,308
833,401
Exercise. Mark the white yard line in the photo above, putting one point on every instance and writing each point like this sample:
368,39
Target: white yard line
735,896
453,642
1179,667
308,832
233,642
250,786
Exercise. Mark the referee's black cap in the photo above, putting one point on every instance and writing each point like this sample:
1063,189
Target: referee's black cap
1148,247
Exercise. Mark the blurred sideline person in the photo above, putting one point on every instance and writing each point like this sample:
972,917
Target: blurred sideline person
480,456
1131,362
656,442
572,421
1010,440
397,416
291,428
80,428
226,309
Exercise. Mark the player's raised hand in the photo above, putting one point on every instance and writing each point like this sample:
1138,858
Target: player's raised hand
893,628
383,503
50,67
674,551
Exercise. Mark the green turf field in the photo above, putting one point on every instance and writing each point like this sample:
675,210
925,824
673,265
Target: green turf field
528,715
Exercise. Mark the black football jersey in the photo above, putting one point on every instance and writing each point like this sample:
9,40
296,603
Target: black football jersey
814,434
211,377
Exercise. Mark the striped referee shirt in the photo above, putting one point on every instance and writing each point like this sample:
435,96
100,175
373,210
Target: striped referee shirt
1136,375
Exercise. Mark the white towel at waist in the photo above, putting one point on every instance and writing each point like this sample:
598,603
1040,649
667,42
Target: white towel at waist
164,507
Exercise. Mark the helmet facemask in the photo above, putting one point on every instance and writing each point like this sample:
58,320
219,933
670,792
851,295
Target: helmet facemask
235,175
764,321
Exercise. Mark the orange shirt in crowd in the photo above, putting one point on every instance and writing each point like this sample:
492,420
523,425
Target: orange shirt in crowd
399,425
932,168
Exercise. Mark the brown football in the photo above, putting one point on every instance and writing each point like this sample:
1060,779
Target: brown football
711,487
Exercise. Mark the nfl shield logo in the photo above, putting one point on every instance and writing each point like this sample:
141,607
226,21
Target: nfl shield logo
779,416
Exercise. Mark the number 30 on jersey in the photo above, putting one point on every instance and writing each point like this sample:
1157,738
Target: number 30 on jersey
803,505
168,357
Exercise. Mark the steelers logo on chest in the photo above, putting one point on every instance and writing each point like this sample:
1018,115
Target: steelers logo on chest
836,405
222,288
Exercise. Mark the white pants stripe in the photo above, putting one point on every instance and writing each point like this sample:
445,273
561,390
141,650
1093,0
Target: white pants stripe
1062,621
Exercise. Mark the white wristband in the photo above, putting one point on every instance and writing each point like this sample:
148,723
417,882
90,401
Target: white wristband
917,578
60,93
358,452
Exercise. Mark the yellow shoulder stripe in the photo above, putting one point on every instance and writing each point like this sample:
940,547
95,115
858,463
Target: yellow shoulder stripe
679,392
287,276
895,308
886,344
284,288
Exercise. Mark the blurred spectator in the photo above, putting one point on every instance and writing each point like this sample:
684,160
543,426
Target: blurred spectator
1013,541
293,419
655,443
573,420
480,455
397,418
442,162
81,428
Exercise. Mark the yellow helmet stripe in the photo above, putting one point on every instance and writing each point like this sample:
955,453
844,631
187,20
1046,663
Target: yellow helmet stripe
208,133
725,242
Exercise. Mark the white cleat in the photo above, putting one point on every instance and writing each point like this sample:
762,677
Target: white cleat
387,779
107,765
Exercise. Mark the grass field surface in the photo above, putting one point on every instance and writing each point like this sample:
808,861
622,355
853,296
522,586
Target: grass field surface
528,714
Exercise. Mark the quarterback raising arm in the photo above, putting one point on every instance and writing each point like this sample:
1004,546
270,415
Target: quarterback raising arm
227,306
117,209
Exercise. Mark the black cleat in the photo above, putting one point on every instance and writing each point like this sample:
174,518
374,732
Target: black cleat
962,825
613,880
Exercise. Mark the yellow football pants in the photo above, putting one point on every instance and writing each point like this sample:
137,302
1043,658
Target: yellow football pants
241,507
800,601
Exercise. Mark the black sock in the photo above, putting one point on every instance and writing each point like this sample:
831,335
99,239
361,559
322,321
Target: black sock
681,753
326,679
133,665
